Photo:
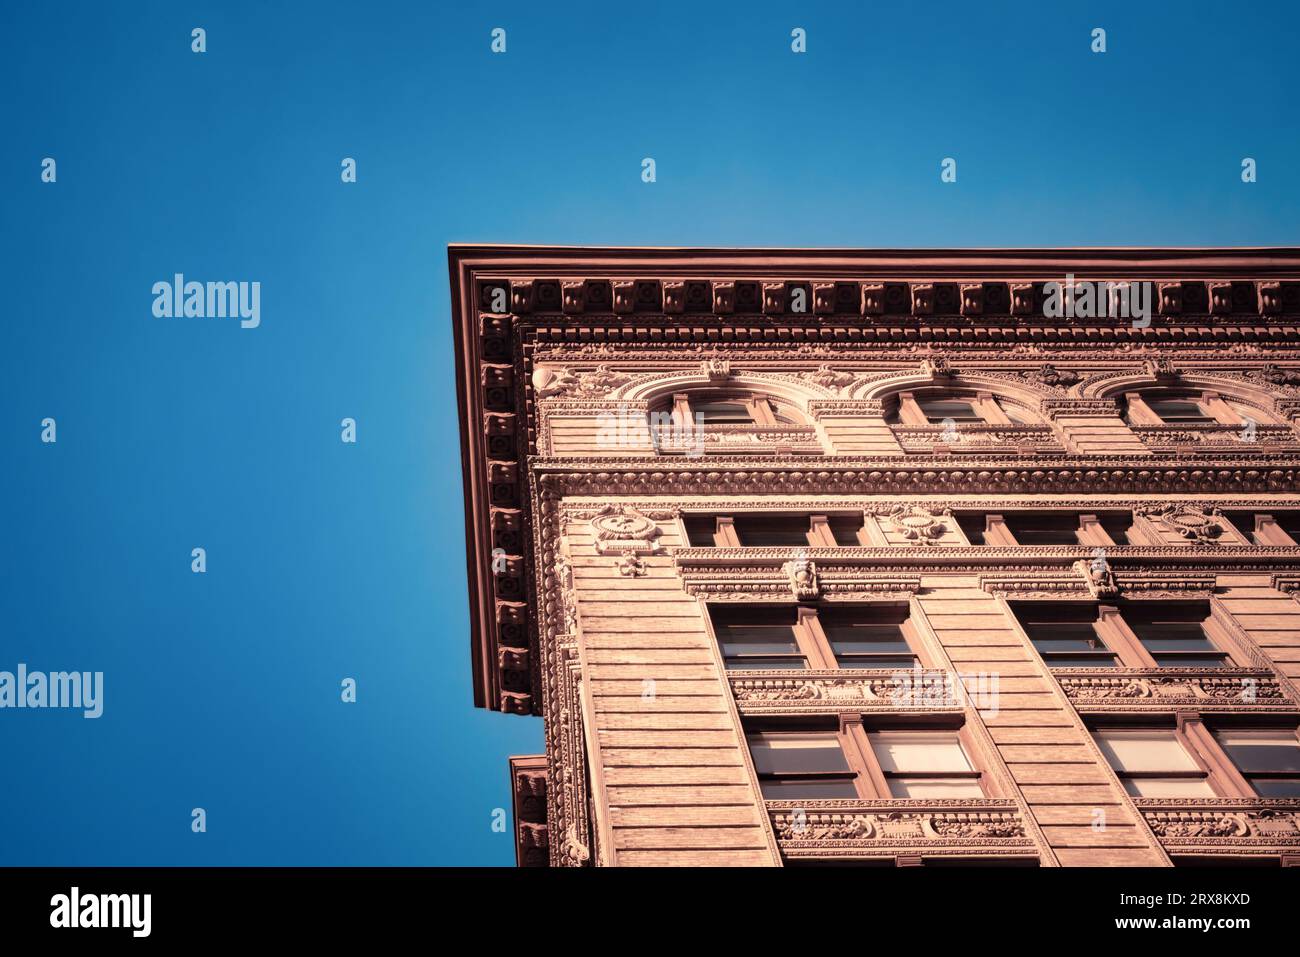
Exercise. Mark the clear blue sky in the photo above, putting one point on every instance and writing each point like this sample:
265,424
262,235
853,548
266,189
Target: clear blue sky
328,560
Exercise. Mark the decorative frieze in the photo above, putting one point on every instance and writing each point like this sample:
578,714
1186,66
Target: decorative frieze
1158,689
913,690
848,829
982,438
1222,825
1234,437
1097,578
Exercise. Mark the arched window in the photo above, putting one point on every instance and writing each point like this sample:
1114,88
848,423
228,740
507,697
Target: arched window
1187,407
730,408
931,406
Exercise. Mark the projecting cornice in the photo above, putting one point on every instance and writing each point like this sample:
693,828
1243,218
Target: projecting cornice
509,302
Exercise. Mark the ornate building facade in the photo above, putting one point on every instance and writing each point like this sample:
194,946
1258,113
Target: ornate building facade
888,557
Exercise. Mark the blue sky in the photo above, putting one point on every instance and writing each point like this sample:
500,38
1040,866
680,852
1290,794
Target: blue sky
328,560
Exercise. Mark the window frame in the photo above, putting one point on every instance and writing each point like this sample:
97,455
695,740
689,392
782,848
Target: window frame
870,779
1201,770
764,411
1118,635
815,645
1247,776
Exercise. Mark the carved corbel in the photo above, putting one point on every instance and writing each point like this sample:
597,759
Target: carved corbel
804,583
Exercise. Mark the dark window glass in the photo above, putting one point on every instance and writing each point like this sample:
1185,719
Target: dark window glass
1268,759
794,766
1034,529
769,530
1179,411
700,529
1065,635
1116,525
761,638
1174,635
868,636
722,411
1289,522
937,410
972,525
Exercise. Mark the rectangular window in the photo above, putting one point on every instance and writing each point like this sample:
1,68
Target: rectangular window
1289,522
722,412
1116,525
794,766
868,636
1174,635
937,410
774,530
925,764
1153,763
1268,759
1175,411
1065,635
757,638
1285,529
1043,529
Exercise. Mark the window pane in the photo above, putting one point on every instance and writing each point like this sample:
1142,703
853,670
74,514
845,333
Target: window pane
761,530
1277,787
1189,661
1168,787
1178,410
873,661
796,790
1077,661
1082,643
791,753
1144,751
922,751
931,788
1262,750
757,640
959,410
889,640
722,411
1044,529
793,663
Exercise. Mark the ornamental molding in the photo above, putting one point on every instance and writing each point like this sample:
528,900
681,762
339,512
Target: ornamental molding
1201,524
914,690
801,574
1096,579
1154,567
1224,824
695,298
781,475
1245,690
798,578
593,384
999,356
1053,409
917,524
625,531
1287,584
840,828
